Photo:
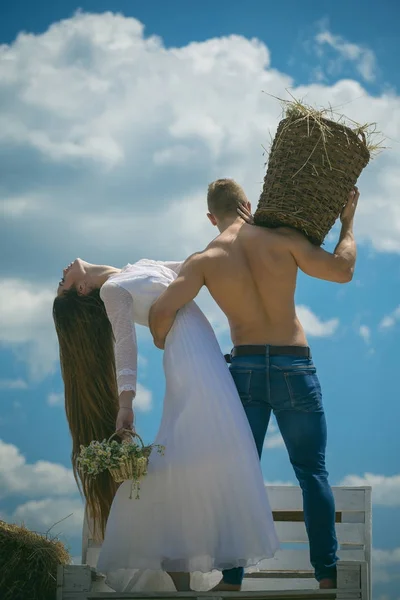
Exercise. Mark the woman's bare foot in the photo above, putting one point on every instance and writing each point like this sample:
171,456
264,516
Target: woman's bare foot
226,587
327,584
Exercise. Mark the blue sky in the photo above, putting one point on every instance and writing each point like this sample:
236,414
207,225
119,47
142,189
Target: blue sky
108,139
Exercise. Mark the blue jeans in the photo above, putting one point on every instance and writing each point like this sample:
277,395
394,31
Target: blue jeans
289,386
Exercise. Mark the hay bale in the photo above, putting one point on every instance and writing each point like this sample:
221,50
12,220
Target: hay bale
28,564
313,164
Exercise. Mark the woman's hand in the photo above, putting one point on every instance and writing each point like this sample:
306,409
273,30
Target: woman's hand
125,420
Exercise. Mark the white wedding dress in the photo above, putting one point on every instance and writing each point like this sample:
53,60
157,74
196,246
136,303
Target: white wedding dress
203,505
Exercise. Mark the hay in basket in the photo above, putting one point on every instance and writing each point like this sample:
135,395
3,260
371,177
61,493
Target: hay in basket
28,563
314,163
126,461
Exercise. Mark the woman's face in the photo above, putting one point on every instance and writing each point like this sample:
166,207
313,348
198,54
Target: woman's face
75,275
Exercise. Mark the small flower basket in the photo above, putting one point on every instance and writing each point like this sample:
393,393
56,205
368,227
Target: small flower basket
126,460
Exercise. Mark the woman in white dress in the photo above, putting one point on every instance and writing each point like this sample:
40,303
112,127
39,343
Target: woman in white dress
202,505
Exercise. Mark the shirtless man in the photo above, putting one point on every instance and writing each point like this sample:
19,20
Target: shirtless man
251,274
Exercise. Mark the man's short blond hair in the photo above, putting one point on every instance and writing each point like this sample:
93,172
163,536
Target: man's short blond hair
224,196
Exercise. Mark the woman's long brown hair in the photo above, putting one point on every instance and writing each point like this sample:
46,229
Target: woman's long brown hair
91,397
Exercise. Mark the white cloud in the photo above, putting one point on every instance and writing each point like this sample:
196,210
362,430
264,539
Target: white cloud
278,483
386,557
43,478
390,320
363,58
26,324
313,325
365,333
274,438
54,399
143,399
13,384
385,488
116,142
41,515
386,565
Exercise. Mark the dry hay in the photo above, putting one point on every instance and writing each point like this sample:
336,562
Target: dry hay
314,163
28,563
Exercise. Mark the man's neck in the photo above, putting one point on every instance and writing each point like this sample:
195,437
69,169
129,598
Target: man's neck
224,224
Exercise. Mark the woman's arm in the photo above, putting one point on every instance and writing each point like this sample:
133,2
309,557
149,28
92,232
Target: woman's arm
118,303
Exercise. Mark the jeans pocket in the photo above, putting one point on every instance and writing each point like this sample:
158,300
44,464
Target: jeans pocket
242,379
304,390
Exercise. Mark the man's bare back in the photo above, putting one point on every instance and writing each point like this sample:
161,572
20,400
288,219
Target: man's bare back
251,275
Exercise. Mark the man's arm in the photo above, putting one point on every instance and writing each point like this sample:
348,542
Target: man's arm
316,262
181,291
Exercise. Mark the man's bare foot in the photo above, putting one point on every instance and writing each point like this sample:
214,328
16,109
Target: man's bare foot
226,587
327,584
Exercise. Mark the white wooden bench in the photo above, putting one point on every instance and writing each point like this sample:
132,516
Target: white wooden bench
288,575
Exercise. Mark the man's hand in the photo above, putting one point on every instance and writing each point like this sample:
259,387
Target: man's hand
160,322
125,419
349,210
244,212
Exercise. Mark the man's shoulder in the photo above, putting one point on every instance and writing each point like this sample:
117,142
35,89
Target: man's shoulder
277,237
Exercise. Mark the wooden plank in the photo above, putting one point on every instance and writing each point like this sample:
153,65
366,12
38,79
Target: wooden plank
347,533
284,560
368,542
297,516
366,593
259,595
278,583
287,560
280,575
353,517
290,498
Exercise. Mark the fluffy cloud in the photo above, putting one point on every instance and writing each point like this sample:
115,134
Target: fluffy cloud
116,138
54,399
385,489
386,565
42,515
278,483
390,320
26,324
43,478
362,57
13,384
365,333
274,438
313,325
143,399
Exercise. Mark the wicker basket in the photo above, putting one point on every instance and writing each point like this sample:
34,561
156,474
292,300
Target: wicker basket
133,468
313,165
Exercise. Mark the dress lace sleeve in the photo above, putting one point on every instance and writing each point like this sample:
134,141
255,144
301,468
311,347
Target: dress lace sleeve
118,302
